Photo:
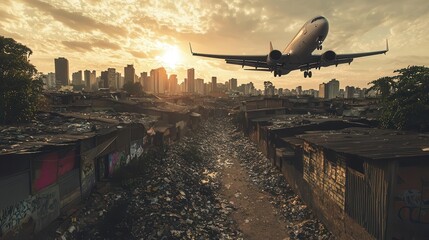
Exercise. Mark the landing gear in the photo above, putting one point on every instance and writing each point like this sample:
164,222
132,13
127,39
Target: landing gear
308,74
277,73
319,47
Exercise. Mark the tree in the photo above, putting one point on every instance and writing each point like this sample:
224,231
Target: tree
19,89
405,99
134,89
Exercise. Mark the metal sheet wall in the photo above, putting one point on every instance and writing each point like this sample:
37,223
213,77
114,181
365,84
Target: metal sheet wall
69,184
16,188
366,198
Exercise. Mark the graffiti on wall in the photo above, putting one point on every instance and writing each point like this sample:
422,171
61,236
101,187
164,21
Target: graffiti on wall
87,166
48,167
41,208
411,203
117,160
413,206
87,173
136,149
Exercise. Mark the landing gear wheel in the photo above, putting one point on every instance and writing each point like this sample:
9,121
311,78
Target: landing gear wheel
305,74
310,74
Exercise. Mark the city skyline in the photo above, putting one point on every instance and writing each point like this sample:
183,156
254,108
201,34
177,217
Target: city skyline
98,35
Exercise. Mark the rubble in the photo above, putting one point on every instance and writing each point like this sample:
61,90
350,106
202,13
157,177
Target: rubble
302,223
173,193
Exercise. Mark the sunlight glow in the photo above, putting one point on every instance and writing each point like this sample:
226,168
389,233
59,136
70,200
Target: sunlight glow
171,57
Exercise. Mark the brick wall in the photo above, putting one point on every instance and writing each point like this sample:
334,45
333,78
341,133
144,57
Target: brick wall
325,171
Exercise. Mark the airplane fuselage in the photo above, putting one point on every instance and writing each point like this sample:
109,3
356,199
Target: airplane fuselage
309,38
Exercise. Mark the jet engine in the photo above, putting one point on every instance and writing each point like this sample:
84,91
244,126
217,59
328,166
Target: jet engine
274,57
329,56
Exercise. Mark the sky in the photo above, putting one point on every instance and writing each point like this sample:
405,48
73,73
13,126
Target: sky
98,34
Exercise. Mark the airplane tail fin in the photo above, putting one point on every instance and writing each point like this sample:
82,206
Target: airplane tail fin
387,45
271,46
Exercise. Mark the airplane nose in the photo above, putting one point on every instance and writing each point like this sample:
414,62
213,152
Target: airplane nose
324,25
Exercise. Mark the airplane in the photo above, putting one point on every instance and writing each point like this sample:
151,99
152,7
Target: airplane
298,53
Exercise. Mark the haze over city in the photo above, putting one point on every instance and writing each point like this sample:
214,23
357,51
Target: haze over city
150,34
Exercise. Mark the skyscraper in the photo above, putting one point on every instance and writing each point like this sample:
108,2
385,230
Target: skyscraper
298,90
191,80
61,72
158,81
233,84
129,73
323,90
173,83
214,84
199,86
161,79
77,78
349,92
143,80
104,80
86,78
333,88
93,80
112,79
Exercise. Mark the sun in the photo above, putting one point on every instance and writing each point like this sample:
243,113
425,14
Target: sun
171,57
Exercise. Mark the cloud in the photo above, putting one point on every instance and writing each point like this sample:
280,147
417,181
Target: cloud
76,20
77,46
82,46
138,54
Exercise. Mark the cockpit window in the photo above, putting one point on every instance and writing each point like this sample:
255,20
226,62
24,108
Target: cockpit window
317,18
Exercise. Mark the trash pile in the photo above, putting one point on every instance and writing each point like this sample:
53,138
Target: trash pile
302,223
173,196
173,193
44,129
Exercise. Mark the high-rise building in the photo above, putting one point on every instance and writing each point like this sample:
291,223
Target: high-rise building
112,81
298,90
233,84
191,80
93,80
248,89
129,73
87,79
172,80
349,91
49,80
61,72
269,88
104,80
214,84
143,80
77,78
323,90
158,80
333,88
199,86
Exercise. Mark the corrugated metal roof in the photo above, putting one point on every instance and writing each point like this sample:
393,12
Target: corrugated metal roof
372,143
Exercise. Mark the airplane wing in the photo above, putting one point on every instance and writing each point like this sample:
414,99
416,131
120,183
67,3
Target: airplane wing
315,61
257,61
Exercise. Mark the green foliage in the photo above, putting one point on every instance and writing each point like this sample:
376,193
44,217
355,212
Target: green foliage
405,99
19,92
134,89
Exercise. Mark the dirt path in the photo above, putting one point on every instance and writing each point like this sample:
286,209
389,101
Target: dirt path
254,214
